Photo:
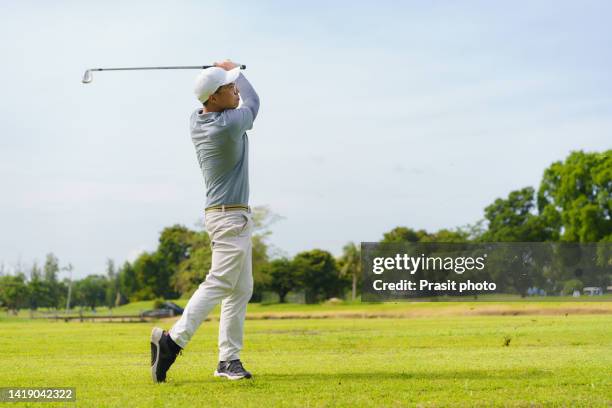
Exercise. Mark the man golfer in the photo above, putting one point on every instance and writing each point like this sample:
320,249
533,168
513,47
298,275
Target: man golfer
218,131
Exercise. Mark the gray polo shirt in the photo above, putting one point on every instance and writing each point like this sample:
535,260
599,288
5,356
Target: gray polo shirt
222,147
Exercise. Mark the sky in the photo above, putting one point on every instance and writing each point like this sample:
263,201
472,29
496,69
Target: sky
373,115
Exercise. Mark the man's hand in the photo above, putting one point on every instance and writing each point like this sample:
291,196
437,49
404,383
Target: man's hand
226,65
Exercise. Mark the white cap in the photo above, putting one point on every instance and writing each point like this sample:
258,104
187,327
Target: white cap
210,79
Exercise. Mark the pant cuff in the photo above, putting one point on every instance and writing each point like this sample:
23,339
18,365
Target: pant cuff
177,339
229,357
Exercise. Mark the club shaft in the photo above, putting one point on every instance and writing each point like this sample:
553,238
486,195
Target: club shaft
148,68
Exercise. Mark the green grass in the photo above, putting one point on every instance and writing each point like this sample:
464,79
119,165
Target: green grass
436,360
256,309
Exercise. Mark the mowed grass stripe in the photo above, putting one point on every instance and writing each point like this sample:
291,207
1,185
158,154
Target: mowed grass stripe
588,305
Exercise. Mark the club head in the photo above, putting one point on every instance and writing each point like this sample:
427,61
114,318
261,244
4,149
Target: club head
87,77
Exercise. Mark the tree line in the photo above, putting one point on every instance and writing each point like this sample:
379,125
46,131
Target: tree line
573,203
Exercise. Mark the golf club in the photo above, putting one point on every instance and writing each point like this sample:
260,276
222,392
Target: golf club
88,77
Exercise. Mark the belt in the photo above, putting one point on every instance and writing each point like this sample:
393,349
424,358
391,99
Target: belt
229,207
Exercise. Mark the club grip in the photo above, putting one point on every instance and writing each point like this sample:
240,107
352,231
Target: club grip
210,66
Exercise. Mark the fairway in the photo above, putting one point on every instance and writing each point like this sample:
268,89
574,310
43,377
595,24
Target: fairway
549,360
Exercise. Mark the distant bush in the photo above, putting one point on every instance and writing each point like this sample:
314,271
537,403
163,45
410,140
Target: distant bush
158,303
571,285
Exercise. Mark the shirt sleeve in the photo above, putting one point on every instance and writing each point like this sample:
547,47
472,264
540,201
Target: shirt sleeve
241,119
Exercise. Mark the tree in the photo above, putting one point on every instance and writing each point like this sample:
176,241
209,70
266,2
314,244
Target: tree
175,244
350,262
174,247
260,260
403,234
318,275
51,268
513,220
152,280
13,292
263,219
446,235
53,286
113,297
282,277
577,195
35,272
128,284
39,291
572,285
192,270
91,291
473,232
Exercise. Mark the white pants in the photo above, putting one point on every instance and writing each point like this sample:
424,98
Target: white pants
229,281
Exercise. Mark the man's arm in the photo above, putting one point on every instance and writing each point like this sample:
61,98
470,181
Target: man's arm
249,97
241,119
